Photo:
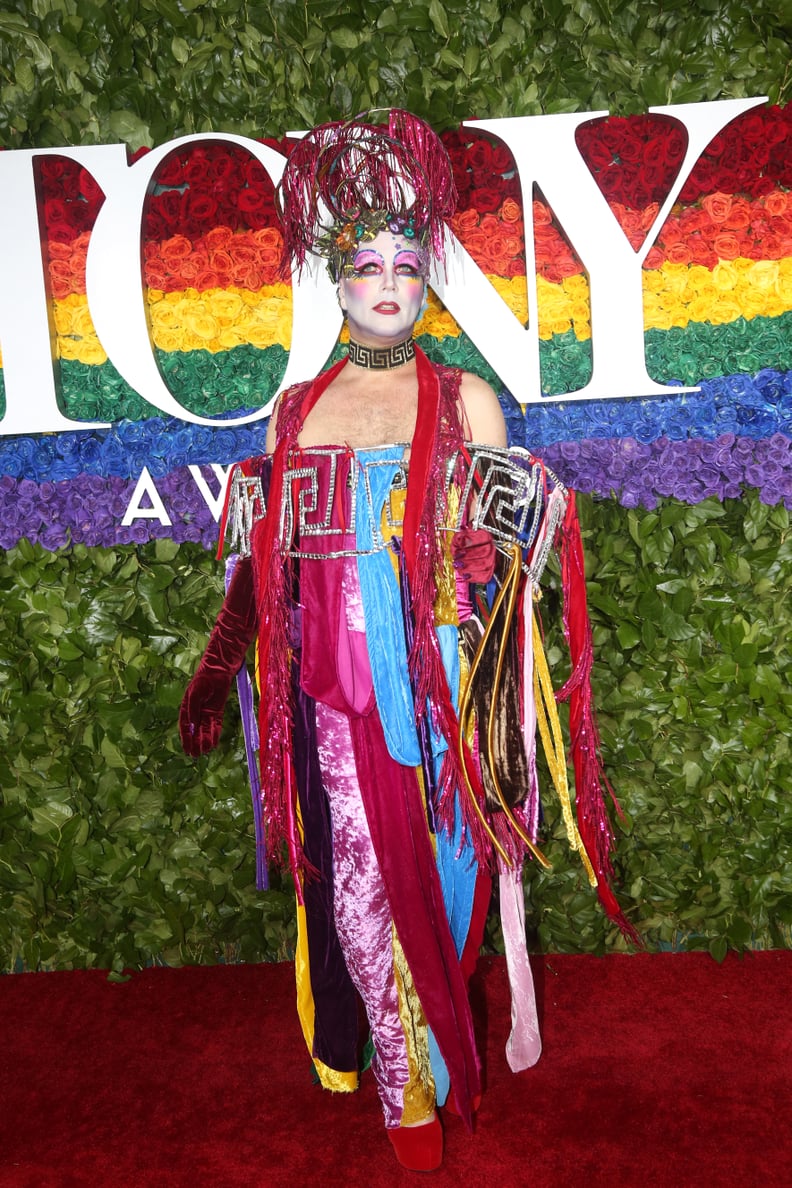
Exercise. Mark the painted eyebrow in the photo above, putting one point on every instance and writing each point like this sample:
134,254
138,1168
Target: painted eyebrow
367,256
407,256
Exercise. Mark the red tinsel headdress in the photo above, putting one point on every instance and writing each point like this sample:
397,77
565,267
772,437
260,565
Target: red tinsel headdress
346,181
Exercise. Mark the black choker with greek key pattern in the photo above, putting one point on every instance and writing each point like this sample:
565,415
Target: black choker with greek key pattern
381,358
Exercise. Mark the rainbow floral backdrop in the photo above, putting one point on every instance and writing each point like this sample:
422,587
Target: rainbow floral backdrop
717,310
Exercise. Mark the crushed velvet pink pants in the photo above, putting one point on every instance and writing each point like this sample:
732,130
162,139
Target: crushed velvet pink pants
362,915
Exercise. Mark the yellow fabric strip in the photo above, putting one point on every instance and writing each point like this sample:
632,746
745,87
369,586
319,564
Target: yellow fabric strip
330,1078
419,1092
553,744
508,591
510,587
445,608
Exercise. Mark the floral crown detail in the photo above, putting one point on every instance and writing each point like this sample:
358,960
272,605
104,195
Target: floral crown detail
346,181
339,244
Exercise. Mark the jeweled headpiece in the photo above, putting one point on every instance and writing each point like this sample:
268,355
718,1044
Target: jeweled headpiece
346,181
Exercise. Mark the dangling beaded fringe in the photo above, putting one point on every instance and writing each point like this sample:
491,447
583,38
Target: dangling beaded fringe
381,358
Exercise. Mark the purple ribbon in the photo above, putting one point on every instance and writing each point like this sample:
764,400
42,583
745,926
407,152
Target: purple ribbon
250,730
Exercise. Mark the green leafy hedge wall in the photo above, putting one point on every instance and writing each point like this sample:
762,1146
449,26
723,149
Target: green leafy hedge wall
117,851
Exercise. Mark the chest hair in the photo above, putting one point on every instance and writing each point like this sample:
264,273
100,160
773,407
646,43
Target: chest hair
362,413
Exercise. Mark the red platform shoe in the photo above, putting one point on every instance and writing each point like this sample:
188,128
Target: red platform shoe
418,1148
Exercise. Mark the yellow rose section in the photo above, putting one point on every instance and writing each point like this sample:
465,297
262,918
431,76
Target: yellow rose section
214,320
674,295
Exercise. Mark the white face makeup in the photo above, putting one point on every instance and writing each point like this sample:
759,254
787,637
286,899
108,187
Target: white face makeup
384,291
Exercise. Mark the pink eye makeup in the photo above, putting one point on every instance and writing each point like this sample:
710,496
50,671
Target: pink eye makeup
367,262
406,263
409,263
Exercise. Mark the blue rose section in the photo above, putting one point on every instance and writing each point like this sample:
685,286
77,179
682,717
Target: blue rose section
77,487
757,405
160,443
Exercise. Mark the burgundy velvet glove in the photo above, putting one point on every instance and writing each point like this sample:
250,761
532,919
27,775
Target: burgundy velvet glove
473,550
201,713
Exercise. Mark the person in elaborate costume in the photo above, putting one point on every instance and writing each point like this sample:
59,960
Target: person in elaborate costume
391,549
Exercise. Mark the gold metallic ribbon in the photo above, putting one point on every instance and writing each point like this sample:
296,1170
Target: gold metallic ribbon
509,589
553,743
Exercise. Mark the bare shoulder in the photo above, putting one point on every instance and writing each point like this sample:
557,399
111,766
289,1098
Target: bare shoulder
272,428
482,411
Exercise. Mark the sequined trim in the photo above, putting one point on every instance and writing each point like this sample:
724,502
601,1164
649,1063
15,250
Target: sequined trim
246,505
507,491
302,519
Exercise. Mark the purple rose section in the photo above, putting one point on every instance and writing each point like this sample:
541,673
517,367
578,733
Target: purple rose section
89,509
639,473
75,487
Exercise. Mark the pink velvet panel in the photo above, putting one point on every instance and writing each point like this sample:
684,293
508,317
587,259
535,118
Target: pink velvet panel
362,916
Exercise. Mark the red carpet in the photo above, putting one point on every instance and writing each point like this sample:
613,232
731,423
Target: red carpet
658,1070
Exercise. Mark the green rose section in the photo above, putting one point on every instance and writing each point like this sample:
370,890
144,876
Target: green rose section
212,384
